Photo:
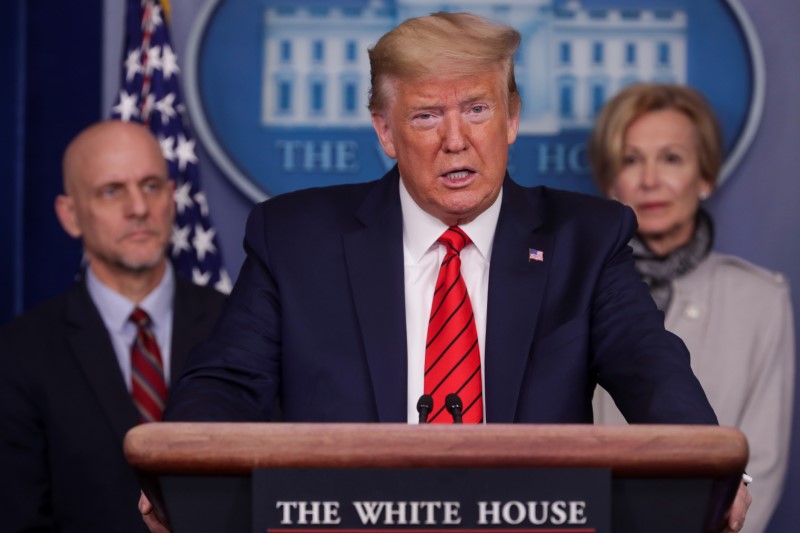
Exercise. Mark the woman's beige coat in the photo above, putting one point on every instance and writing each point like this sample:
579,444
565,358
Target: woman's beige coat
736,320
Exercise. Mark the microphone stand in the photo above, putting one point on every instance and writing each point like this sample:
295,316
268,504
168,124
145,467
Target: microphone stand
424,407
454,407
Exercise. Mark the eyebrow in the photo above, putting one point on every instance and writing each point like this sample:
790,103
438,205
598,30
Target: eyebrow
466,101
630,146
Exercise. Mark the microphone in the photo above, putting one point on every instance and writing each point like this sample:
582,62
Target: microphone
424,407
454,406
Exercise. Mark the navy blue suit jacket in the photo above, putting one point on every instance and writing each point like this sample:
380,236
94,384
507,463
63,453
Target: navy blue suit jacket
317,320
65,409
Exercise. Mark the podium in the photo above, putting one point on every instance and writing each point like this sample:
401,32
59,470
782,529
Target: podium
663,477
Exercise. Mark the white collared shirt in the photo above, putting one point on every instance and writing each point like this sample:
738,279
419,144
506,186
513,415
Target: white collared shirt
116,310
422,257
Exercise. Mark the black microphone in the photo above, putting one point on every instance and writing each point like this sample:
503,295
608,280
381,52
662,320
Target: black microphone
424,407
454,407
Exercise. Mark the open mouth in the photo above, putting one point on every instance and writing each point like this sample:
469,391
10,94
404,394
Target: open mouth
458,175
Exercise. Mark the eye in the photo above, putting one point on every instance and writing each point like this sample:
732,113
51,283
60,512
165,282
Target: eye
153,185
673,158
110,191
629,159
424,120
478,109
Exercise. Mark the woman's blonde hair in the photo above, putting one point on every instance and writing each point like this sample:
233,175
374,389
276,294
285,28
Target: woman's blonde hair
607,141
441,44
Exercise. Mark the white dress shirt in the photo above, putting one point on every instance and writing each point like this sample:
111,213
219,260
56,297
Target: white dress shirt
422,257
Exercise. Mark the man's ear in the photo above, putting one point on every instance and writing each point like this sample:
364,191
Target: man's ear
512,123
65,210
384,132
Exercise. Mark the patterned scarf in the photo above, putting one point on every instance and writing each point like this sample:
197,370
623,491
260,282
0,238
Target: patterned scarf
659,271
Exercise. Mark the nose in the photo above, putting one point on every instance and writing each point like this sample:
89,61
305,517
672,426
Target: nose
137,205
650,177
454,134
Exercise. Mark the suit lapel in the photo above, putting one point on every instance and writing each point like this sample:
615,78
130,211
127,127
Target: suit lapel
92,349
374,259
516,289
188,317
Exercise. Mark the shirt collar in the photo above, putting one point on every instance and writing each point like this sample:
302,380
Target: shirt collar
116,309
421,230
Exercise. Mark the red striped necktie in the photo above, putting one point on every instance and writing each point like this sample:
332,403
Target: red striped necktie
149,390
452,355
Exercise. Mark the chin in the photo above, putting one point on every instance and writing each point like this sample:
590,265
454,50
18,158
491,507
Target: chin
655,227
464,202
651,234
141,264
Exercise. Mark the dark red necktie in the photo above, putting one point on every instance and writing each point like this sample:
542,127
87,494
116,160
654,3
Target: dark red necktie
452,355
149,390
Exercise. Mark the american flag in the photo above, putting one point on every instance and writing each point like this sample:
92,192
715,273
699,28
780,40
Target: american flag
535,255
150,94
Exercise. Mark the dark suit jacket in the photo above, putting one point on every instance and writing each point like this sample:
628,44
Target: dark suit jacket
317,316
64,410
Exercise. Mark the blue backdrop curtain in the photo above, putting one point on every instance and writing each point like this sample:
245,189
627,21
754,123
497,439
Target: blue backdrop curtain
52,90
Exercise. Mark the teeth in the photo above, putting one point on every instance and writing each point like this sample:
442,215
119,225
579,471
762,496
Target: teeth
460,174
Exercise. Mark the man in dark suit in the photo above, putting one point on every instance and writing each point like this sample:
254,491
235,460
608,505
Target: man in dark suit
332,313
65,400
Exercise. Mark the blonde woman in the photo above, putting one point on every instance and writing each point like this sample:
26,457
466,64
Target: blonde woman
658,149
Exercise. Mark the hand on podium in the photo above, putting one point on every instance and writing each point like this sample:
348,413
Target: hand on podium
149,516
736,514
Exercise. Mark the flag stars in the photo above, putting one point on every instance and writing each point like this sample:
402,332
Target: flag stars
152,19
185,152
150,77
199,277
133,65
200,199
203,241
169,62
165,107
126,108
183,197
152,59
167,147
224,284
180,240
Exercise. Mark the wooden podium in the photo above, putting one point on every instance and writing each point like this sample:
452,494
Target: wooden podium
664,478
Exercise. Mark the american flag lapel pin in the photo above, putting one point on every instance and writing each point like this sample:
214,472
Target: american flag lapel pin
535,255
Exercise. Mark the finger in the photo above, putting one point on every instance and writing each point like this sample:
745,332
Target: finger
738,510
147,510
145,506
153,524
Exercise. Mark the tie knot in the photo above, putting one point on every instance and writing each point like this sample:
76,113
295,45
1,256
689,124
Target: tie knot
140,318
455,239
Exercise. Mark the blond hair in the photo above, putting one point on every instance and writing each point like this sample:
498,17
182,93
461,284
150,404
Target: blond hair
607,141
441,44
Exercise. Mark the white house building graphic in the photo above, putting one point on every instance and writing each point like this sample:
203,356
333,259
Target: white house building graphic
315,71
